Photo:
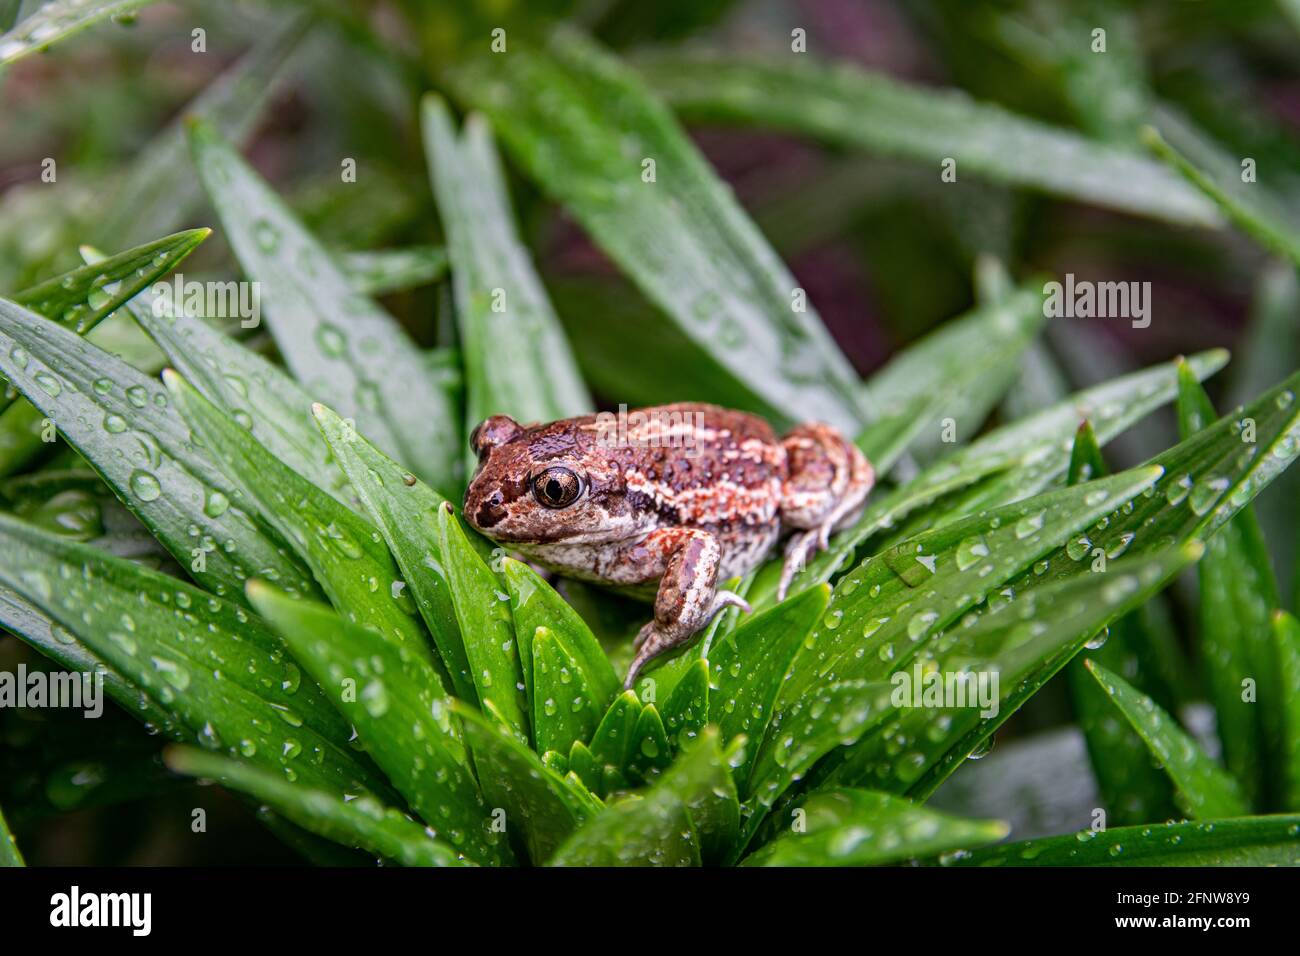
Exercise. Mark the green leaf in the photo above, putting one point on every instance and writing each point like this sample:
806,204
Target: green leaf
582,124
612,746
686,711
486,625
801,733
864,828
918,747
748,665
1132,789
345,553
1286,635
564,709
1085,456
79,299
406,512
52,22
960,371
883,612
535,604
1254,220
29,623
661,828
159,190
650,754
260,395
382,271
536,800
119,420
517,361
216,669
339,344
394,700
364,823
851,107
1204,790
1026,456
1180,509
1238,596
9,855
1249,841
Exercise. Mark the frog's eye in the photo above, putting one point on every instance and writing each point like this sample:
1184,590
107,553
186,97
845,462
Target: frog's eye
556,487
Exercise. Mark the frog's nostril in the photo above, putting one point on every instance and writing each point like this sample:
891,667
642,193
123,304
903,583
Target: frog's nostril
490,510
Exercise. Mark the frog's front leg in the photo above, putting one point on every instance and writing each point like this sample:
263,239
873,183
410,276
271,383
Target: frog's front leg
687,598
827,484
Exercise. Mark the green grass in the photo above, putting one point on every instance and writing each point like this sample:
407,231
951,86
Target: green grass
255,536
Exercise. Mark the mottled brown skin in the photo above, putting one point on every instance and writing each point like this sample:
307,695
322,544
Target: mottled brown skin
664,510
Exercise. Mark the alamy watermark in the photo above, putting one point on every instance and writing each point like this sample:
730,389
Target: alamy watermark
1084,299
211,299
38,689
651,428
946,689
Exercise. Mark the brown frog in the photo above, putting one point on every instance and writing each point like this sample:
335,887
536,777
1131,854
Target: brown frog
664,501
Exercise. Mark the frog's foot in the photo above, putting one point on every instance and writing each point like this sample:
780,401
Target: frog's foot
825,492
654,639
802,546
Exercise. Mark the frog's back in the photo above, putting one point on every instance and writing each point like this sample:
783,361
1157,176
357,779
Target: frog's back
700,465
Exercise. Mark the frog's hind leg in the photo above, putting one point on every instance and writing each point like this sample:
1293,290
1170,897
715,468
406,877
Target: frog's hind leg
826,488
687,599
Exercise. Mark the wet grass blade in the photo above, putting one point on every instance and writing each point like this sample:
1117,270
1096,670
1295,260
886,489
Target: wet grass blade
1286,636
537,801
686,712
1273,234
52,22
517,360
851,107
828,716
120,421
885,610
1238,597
394,700
79,299
346,554
1132,789
365,823
919,747
9,855
564,708
39,630
661,827
486,626
864,828
259,394
339,344
220,674
1204,790
960,371
747,666
1247,841
405,510
383,271
647,197
159,189
536,604
1026,456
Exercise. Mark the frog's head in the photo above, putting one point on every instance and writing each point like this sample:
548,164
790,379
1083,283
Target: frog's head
540,484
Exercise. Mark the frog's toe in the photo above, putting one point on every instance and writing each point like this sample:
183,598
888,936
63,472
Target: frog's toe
649,644
726,599
801,546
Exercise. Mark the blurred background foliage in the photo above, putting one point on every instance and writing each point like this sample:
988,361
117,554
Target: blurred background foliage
885,250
